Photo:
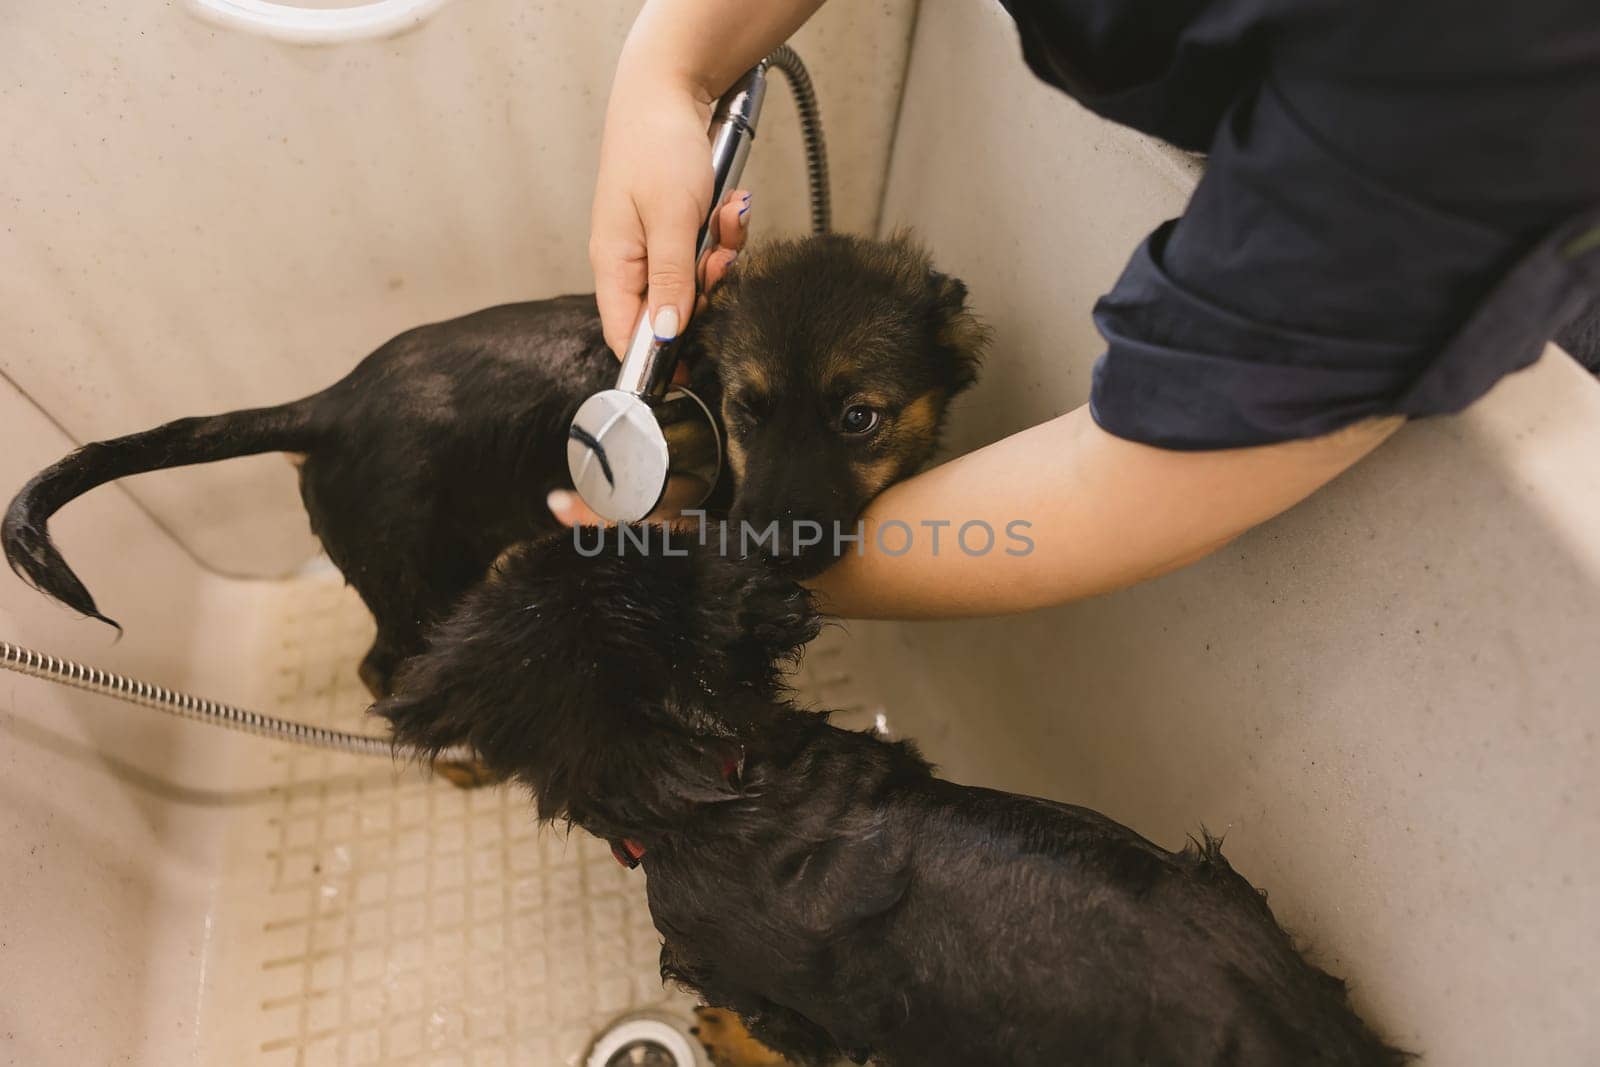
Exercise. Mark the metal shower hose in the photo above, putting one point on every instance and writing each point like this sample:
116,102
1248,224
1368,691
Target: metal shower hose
187,706
787,60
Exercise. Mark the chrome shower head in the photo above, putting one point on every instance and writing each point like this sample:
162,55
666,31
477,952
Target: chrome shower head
627,442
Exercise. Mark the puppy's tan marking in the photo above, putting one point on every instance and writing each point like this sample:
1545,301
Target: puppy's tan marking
497,569
873,400
866,344
874,476
729,1044
746,379
749,376
905,443
472,775
735,457
920,418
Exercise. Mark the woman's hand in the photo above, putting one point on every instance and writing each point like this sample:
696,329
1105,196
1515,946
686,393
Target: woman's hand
652,196
653,192
733,228
654,187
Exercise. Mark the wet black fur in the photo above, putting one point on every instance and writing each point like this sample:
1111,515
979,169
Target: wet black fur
437,451
832,891
421,464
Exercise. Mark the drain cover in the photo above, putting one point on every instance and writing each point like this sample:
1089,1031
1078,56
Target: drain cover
646,1039
643,1054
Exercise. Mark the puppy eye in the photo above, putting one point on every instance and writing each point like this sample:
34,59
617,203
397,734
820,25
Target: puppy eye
747,406
859,419
737,413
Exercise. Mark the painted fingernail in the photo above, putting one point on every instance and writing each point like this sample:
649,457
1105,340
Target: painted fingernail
665,323
746,209
559,501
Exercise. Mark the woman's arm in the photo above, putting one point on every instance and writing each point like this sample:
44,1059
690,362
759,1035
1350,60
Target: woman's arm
706,44
1101,513
1073,512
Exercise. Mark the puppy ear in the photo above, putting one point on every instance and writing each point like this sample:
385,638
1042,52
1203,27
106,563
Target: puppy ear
500,671
957,331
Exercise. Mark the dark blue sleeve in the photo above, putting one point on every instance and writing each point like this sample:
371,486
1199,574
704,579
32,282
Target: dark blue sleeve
1297,295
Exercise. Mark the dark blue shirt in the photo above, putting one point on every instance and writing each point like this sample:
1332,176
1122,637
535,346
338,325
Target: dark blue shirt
1401,203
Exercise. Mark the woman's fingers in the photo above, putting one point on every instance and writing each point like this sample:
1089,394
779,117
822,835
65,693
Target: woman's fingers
716,269
570,510
651,196
617,254
669,233
733,221
618,292
733,230
634,261
681,492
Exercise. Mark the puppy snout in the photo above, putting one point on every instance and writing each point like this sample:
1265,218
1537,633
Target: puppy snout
776,531
792,537
799,535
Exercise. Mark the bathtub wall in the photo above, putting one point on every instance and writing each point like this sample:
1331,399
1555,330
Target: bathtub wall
1386,699
199,218
112,819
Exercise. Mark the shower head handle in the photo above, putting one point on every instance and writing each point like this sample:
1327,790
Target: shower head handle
627,441
649,361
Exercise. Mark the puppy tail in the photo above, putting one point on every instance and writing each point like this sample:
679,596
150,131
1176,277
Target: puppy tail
25,531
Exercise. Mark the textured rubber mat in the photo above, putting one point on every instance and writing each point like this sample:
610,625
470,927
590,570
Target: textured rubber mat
374,914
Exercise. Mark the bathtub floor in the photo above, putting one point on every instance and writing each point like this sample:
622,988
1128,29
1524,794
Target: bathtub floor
373,914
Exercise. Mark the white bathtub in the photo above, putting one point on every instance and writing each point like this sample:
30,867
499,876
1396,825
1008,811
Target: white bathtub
1388,699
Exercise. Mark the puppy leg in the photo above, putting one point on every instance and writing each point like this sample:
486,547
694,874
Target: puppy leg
378,667
377,673
472,775
729,1044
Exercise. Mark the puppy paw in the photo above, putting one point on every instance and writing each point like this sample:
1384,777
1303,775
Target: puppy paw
729,1044
472,775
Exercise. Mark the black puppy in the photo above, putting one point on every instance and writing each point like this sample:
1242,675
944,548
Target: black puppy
437,451
824,884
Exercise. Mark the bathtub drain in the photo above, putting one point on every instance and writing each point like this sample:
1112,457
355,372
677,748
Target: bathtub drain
645,1039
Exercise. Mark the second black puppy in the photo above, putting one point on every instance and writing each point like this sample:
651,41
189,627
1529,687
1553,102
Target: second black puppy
437,451
824,884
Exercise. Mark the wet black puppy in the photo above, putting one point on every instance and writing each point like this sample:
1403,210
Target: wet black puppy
419,466
437,451
823,884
